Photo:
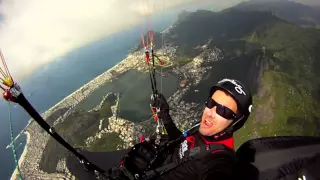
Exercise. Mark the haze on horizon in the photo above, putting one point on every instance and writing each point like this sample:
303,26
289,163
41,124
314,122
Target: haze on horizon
33,33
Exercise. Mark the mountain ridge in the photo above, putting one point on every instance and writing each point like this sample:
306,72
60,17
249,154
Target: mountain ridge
294,12
276,59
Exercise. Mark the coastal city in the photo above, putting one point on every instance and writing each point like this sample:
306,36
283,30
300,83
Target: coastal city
83,83
184,114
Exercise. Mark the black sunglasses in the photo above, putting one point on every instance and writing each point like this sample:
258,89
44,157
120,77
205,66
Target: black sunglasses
222,110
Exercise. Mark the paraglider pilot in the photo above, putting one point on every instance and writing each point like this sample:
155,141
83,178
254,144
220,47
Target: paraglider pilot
205,152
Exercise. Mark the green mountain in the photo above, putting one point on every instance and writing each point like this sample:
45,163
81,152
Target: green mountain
277,60
304,15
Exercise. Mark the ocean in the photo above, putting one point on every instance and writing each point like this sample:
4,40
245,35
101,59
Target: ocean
53,82
50,84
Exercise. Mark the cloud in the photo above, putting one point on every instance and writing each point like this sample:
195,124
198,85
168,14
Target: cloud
308,2
34,32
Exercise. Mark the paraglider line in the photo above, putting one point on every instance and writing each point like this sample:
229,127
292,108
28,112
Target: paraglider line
3,74
147,25
5,64
13,146
153,73
2,86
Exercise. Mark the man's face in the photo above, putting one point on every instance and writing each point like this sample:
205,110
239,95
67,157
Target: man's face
211,122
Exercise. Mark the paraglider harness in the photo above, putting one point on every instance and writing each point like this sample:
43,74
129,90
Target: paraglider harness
154,169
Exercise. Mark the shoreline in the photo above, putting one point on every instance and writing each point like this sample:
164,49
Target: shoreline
65,101
36,140
22,157
30,159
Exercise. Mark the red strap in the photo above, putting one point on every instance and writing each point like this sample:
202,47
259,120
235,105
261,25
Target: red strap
151,36
216,151
192,141
227,142
142,138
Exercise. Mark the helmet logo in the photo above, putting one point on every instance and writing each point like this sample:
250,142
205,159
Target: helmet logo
238,88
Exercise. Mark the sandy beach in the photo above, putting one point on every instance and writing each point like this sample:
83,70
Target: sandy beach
15,174
33,129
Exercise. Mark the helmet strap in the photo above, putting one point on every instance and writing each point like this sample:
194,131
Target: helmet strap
227,132
237,121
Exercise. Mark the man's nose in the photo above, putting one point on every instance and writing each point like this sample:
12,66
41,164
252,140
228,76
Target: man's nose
211,112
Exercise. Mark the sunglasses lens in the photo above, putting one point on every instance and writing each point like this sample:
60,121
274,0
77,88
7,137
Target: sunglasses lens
210,103
224,112
221,110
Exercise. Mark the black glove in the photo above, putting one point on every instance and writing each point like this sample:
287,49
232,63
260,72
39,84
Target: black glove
140,157
172,131
116,174
161,102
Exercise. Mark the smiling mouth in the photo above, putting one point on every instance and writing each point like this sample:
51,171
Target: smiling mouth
207,123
